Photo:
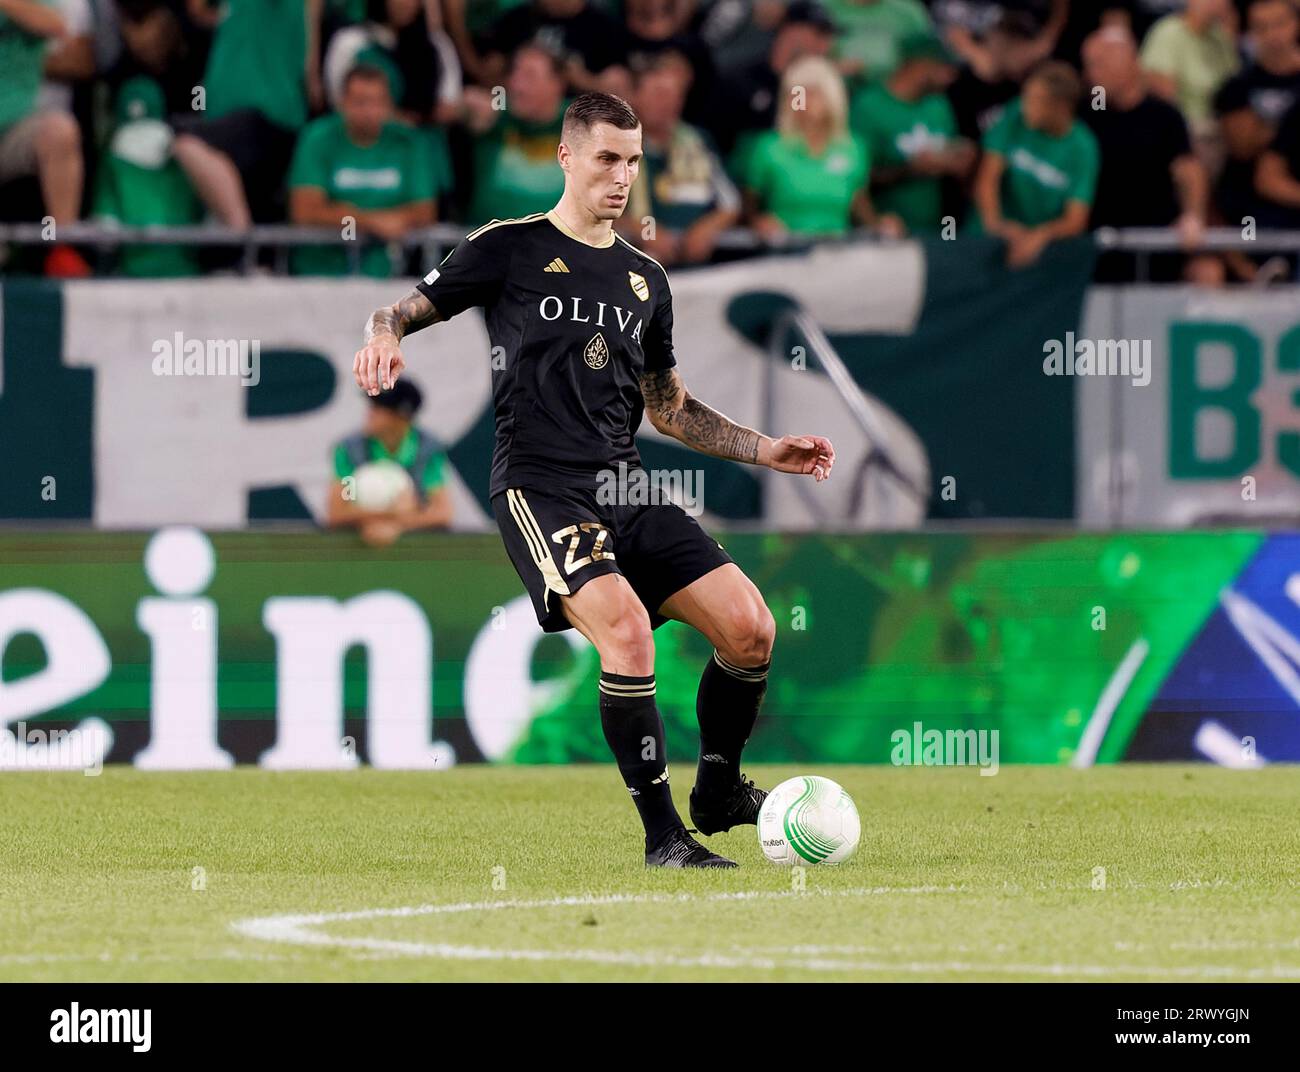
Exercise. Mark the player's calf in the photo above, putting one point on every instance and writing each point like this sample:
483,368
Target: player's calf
634,732
726,707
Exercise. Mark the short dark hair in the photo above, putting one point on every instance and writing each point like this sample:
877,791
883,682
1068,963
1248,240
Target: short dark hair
808,13
1060,80
588,109
403,398
538,48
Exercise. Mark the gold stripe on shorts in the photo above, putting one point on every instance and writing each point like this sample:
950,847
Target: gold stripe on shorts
532,533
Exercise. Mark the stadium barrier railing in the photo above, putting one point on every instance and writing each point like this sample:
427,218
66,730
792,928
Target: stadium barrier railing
433,242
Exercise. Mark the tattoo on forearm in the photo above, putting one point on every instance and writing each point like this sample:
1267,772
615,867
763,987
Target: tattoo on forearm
660,389
710,431
409,315
694,423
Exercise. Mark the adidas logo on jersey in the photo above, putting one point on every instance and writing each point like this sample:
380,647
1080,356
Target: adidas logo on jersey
556,265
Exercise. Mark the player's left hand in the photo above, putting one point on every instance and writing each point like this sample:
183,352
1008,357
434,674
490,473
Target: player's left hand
377,365
807,455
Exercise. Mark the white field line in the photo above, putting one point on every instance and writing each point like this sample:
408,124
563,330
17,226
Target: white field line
143,958
300,930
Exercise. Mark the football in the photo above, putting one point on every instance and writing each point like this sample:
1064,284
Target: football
380,484
808,820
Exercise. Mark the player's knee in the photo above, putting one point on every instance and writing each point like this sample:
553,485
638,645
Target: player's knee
628,640
751,632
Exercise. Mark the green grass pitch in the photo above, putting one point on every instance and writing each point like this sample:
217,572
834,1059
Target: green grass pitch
535,873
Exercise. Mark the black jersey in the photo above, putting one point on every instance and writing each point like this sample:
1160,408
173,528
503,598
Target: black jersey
572,327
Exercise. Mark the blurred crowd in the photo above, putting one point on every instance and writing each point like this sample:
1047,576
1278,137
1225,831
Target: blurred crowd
1031,120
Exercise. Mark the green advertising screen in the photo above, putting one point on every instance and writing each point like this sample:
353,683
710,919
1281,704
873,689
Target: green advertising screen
309,650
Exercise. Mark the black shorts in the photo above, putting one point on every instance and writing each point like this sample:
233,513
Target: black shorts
560,538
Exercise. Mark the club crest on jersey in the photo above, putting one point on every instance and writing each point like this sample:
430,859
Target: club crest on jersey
597,353
639,286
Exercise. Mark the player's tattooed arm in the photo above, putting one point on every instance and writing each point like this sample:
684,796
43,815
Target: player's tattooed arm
676,412
409,315
379,361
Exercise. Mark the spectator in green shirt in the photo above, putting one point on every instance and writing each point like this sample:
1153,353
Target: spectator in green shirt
516,171
365,166
911,134
1039,173
808,177
263,73
389,434
44,143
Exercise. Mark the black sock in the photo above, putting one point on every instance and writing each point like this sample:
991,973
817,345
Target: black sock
727,708
635,734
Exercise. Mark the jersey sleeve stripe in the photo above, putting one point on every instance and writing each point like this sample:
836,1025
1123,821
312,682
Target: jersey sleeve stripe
502,223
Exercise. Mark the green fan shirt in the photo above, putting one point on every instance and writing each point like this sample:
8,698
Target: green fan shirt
810,194
894,130
431,479
22,56
258,60
1043,173
398,169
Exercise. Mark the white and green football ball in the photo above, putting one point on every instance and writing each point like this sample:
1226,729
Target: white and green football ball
380,484
808,820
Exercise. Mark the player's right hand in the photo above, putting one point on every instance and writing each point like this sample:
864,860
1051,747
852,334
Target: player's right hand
378,364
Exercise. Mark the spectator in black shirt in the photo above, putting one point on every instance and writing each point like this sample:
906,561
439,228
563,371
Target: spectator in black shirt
1252,104
655,27
982,90
1150,176
1277,176
592,44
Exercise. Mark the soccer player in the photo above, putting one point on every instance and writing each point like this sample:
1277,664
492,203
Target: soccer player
581,324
